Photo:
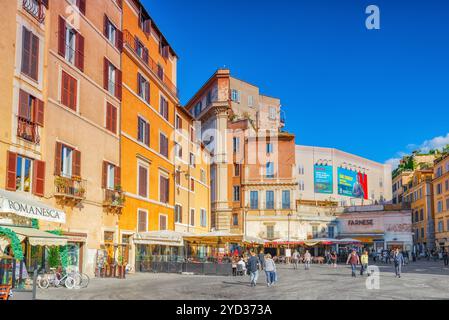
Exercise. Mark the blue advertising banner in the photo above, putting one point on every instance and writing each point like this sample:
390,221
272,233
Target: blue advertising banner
324,179
352,184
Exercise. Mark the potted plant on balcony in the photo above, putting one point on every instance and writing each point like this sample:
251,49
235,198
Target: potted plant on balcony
61,184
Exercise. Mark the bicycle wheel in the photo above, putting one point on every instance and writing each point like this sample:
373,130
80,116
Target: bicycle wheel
43,282
84,281
70,283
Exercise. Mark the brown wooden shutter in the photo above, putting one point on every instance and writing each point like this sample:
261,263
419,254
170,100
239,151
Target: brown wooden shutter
118,176
106,74
11,174
119,40
82,6
108,117
76,165
34,71
147,133
24,105
26,50
114,119
162,190
58,158
142,225
104,176
73,93
105,26
139,81
61,36
143,187
146,55
147,27
39,112
39,178
118,84
147,91
79,55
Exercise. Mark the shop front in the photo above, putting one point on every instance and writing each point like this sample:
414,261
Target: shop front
378,229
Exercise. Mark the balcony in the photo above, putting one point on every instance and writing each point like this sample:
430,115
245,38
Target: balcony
130,42
114,200
28,130
70,190
35,8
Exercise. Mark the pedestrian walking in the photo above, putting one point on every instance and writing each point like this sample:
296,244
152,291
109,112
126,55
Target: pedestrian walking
261,260
364,259
353,260
446,258
307,259
270,270
295,258
253,268
334,258
398,260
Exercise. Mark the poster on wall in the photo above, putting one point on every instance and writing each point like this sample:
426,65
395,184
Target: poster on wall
352,184
323,179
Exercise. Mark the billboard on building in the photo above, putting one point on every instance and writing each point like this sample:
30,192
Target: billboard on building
324,179
352,184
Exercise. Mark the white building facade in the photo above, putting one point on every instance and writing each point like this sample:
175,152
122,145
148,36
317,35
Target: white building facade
326,174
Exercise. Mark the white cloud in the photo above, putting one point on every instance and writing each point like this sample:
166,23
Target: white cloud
432,144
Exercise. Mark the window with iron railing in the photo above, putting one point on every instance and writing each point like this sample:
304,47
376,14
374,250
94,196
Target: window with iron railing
36,8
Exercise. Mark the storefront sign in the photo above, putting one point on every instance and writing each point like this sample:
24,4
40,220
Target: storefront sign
361,222
31,211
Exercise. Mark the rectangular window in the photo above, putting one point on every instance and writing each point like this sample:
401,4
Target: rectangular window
192,161
422,233
178,150
250,101
143,88
192,185
254,200
142,223
112,79
203,218
270,200
235,95
70,45
192,217
163,108
164,189
235,219
270,232
286,200
440,206
143,181
162,222
163,145
178,123
197,109
178,213
236,144
160,72
143,131
236,170
111,177
269,148
69,89
331,232
272,113
203,176
24,174
422,215
447,204
111,118
178,178
315,232
270,170
236,193
30,54
66,162
440,226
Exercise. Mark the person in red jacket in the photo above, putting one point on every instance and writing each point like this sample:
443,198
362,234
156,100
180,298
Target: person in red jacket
353,260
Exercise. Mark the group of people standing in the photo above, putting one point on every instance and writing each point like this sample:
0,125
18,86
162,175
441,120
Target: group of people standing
354,260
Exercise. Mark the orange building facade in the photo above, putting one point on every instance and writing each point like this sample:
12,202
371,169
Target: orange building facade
147,129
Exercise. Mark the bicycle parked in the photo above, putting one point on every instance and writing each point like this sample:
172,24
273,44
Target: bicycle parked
70,280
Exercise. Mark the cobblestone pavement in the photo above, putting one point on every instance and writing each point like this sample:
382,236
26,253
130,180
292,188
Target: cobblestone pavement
420,280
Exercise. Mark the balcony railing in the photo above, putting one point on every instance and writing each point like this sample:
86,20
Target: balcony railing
35,8
114,198
130,41
28,130
73,188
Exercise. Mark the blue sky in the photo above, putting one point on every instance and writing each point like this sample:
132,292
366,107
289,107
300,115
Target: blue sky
378,93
